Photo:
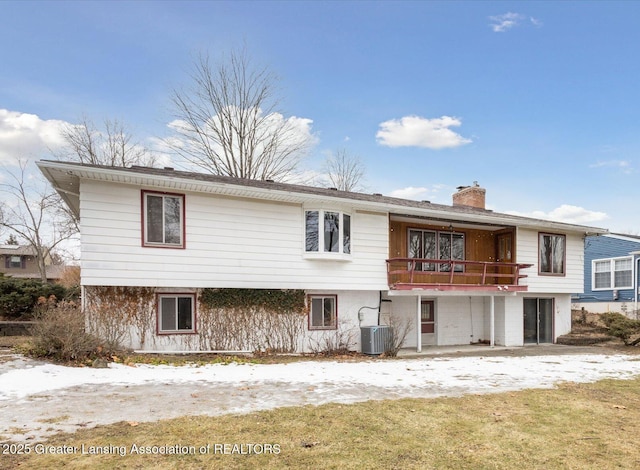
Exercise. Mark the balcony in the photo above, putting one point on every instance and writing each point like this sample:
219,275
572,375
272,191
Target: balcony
455,275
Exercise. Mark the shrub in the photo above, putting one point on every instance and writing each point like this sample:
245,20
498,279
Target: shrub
19,297
621,327
334,342
59,334
400,328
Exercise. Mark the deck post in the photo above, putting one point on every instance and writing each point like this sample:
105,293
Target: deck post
419,324
492,320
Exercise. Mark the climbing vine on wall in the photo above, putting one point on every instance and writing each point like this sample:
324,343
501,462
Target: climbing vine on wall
251,319
274,301
113,312
227,319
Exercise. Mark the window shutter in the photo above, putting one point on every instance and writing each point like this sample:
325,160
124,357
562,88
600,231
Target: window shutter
7,261
23,262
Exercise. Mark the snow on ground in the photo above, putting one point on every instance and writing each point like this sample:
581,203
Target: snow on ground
38,399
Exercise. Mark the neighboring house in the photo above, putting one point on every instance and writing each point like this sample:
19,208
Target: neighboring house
21,261
610,274
458,274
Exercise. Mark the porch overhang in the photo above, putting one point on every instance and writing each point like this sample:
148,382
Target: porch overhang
466,288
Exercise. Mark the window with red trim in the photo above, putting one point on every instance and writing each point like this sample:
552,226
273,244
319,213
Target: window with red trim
176,313
163,219
323,312
552,254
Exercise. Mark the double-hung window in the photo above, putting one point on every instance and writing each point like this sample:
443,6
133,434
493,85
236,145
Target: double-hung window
327,232
552,253
322,312
176,313
612,273
163,219
16,261
429,244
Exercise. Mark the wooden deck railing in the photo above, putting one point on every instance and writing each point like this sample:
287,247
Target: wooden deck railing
409,273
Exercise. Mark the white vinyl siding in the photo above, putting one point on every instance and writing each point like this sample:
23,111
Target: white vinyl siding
527,251
231,242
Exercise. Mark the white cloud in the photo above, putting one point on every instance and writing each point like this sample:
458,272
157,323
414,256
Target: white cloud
416,131
422,193
535,22
27,137
410,192
623,165
502,23
568,214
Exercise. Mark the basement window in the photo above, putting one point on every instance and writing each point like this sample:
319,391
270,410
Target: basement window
176,313
323,312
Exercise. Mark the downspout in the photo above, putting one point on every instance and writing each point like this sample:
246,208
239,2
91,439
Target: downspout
635,285
83,304
635,281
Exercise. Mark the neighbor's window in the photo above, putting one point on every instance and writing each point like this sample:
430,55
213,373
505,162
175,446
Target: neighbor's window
552,253
176,313
613,273
322,312
327,232
16,262
163,220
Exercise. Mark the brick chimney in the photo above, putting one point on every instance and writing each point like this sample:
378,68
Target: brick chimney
470,196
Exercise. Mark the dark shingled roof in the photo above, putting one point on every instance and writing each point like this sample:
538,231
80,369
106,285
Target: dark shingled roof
326,192
295,188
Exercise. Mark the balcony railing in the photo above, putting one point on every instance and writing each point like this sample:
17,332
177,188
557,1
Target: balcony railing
439,274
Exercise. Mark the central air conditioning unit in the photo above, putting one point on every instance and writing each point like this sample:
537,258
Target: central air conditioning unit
376,339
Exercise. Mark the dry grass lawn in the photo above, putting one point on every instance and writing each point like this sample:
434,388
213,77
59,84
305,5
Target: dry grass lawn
575,426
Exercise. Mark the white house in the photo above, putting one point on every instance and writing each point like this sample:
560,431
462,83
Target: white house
459,274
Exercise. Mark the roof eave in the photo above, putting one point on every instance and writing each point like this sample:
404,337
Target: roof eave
277,193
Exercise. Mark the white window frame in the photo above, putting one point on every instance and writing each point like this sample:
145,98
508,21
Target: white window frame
15,262
320,253
164,331
612,273
145,217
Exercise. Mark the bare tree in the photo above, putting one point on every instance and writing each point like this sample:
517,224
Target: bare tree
112,146
31,213
345,171
227,121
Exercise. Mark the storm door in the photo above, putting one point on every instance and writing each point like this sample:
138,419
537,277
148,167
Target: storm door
428,322
538,321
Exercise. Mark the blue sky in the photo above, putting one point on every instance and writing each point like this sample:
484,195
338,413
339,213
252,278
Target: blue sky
537,101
